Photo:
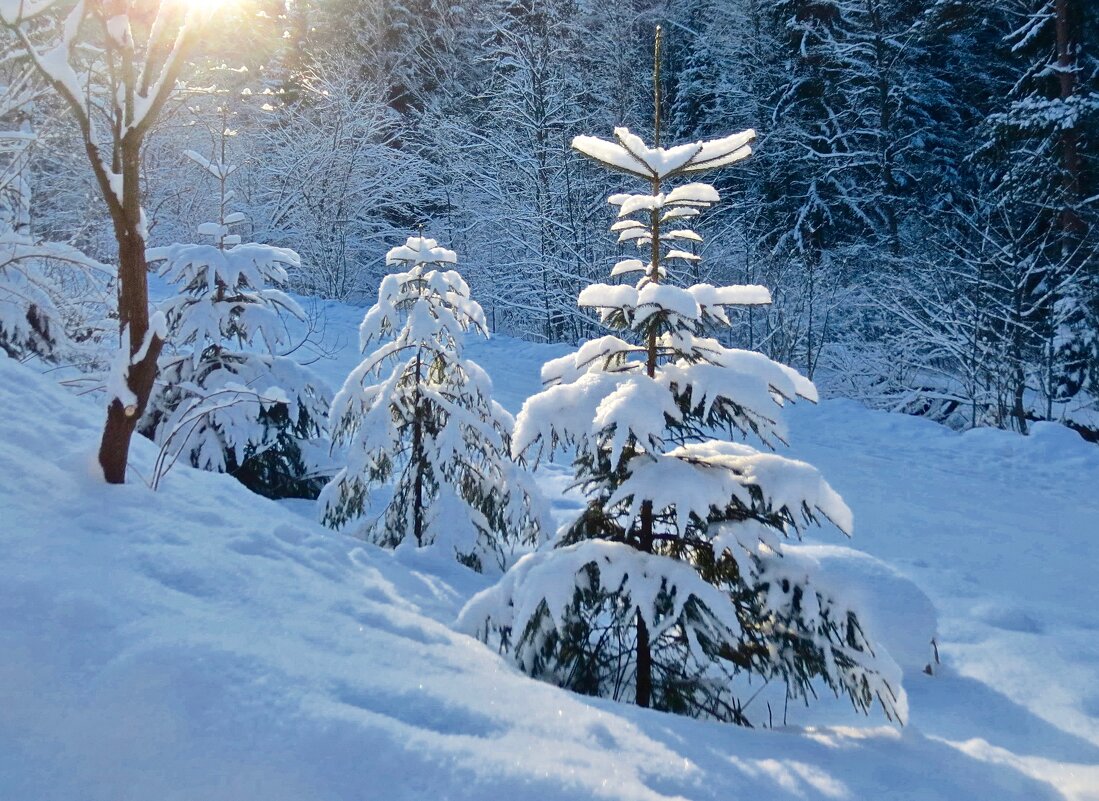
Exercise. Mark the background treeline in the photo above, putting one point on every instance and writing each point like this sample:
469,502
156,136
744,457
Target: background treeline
922,202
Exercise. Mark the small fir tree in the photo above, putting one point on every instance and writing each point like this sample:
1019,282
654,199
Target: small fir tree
672,588
225,398
418,416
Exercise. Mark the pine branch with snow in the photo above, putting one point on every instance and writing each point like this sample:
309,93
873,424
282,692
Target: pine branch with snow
51,299
417,416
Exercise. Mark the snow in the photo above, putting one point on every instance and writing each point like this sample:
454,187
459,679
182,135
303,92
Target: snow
902,616
419,250
637,407
690,477
685,234
630,154
607,296
200,642
219,169
685,200
13,10
679,254
118,377
695,193
118,185
55,64
687,303
722,152
739,295
566,408
667,298
625,266
118,28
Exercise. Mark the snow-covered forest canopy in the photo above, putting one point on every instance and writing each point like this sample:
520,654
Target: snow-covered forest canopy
922,201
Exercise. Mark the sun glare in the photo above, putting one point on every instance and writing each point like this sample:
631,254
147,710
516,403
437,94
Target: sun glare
209,8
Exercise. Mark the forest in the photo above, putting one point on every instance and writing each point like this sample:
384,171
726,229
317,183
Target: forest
921,201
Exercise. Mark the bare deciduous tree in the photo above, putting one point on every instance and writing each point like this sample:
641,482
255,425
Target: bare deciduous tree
114,64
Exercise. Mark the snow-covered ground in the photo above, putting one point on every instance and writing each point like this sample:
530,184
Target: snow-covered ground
201,642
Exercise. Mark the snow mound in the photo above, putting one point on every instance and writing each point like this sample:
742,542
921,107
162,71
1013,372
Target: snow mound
201,642
894,611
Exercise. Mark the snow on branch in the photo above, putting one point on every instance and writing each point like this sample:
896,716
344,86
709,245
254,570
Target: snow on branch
118,378
418,250
546,583
701,478
631,155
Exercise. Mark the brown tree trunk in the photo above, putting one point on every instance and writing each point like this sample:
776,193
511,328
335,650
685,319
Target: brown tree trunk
133,310
418,461
644,647
644,690
133,319
1070,148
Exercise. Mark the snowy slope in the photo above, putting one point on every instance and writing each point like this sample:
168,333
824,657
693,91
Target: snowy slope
1002,531
203,643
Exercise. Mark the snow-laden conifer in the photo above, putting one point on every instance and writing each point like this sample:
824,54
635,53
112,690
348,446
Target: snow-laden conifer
417,417
226,399
52,296
673,588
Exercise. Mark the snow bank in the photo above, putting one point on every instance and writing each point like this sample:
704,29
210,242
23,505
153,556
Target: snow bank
204,643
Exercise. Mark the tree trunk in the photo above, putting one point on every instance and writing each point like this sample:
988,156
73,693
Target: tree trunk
644,664
418,462
644,647
133,319
1070,150
1018,372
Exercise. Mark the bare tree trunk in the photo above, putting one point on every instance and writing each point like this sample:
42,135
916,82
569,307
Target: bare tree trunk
1070,149
1018,371
133,314
128,78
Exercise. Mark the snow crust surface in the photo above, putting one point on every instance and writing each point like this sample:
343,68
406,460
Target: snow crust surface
201,642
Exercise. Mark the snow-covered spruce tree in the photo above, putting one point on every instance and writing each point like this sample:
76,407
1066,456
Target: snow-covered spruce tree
417,415
225,399
673,588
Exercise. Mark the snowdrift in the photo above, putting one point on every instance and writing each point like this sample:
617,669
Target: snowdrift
201,642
